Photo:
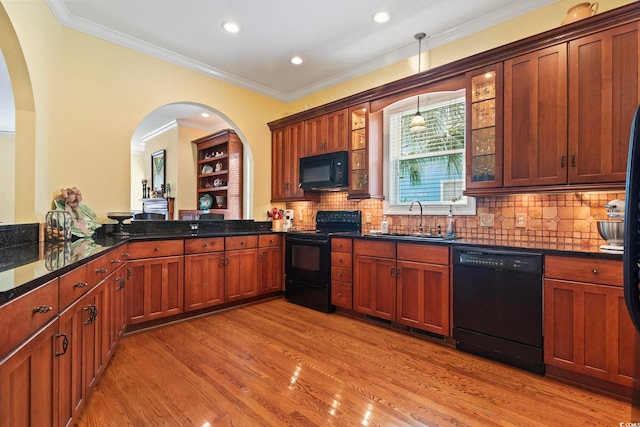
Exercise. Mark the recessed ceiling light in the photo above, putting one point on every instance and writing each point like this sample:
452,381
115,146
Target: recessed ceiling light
231,27
296,60
381,17
204,114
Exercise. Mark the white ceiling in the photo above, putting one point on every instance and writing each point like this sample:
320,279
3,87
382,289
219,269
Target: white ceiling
337,39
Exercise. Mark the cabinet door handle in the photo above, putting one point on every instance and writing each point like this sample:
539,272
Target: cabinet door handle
339,294
221,262
573,160
595,271
260,257
562,161
42,309
398,271
392,271
121,283
80,285
128,273
226,261
93,313
65,344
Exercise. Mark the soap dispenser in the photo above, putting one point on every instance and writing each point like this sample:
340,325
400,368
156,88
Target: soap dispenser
384,225
451,224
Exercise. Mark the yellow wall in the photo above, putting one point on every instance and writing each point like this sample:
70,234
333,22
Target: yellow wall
89,95
137,175
7,177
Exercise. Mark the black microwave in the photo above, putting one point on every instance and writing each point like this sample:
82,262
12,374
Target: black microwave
325,171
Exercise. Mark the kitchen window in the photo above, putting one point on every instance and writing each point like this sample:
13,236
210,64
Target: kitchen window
426,165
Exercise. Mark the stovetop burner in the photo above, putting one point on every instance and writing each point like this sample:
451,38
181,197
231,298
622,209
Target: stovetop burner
329,223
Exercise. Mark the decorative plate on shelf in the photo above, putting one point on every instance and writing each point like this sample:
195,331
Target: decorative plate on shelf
206,202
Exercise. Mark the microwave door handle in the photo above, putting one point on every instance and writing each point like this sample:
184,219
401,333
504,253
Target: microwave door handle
332,171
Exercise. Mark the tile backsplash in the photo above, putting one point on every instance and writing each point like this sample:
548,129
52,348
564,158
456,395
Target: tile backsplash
565,219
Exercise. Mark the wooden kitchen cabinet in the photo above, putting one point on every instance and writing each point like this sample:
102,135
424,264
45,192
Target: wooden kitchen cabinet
155,286
603,95
270,263
220,173
241,271
423,287
342,272
28,380
374,278
587,329
286,150
365,153
326,133
535,118
204,273
484,127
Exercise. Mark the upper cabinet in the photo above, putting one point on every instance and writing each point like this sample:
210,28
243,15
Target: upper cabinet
535,118
219,179
603,96
326,133
484,127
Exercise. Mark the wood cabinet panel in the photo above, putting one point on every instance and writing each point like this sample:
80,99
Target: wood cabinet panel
423,296
269,240
341,259
155,288
431,254
155,249
326,133
28,395
375,249
590,270
286,150
72,286
341,245
204,280
374,285
535,118
342,294
241,279
203,245
240,242
603,95
270,269
23,316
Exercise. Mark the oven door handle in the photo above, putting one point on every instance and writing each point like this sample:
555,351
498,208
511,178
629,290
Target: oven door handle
312,241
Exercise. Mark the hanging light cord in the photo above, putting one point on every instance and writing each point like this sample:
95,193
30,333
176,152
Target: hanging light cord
419,37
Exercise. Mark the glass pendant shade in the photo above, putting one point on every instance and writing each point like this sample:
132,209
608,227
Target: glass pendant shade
417,123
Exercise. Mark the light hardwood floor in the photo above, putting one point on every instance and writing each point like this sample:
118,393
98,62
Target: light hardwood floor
274,363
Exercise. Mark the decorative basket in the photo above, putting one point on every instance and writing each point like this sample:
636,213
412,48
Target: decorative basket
58,225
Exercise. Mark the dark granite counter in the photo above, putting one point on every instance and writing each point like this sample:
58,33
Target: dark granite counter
26,263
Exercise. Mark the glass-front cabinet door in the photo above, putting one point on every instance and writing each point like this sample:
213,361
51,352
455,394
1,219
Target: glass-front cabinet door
358,159
484,128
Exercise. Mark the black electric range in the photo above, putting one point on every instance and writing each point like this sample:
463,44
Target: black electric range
308,258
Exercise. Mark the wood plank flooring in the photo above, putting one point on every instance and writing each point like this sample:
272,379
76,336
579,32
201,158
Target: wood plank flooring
274,363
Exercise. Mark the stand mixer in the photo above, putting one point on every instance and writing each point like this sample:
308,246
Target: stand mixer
612,230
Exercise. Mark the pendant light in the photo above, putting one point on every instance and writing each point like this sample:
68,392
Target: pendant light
417,122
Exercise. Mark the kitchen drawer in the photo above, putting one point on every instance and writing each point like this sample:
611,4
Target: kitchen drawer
342,294
240,242
265,240
204,245
155,249
590,270
340,259
26,314
72,286
98,269
341,274
375,249
341,245
430,254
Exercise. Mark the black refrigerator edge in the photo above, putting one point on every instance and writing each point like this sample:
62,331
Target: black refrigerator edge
631,255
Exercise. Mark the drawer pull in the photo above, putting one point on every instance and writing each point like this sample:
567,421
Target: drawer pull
115,261
339,260
156,249
270,240
42,309
126,255
594,271
339,294
101,270
339,274
206,245
80,285
65,344
243,243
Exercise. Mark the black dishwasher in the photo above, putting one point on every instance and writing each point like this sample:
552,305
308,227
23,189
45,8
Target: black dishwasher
497,305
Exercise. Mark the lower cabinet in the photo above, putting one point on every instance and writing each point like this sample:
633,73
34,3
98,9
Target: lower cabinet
270,263
342,272
28,380
155,288
374,278
203,273
587,329
241,274
423,287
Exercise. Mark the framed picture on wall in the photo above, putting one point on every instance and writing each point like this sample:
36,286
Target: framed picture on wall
158,172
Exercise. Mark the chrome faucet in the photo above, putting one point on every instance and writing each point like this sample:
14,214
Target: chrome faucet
411,208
